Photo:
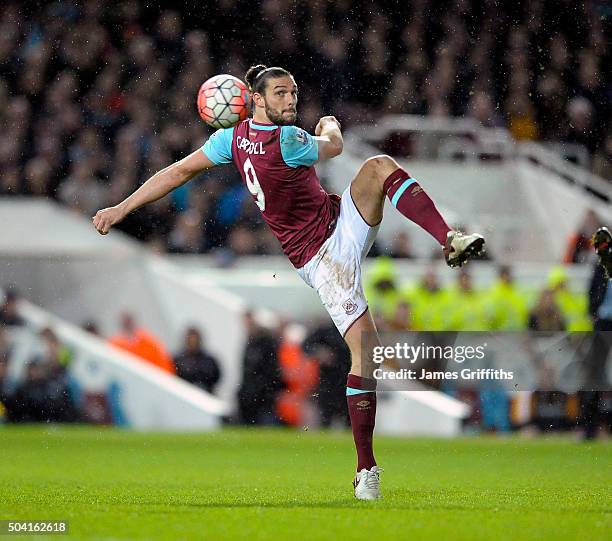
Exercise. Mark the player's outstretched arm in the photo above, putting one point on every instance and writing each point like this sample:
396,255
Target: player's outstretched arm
329,138
159,185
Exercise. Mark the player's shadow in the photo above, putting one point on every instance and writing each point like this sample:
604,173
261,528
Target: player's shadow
349,503
281,505
389,503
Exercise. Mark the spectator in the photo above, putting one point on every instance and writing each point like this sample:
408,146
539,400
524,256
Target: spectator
261,378
300,376
580,120
546,315
142,343
10,180
550,410
428,299
9,311
328,348
482,110
521,117
55,354
402,318
4,360
401,246
600,310
242,241
579,248
381,288
82,191
573,304
91,327
191,230
602,163
44,394
600,300
56,358
595,404
5,348
4,397
464,309
195,365
188,233
37,173
30,397
505,306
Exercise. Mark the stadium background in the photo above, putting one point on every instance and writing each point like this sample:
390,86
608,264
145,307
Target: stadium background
97,96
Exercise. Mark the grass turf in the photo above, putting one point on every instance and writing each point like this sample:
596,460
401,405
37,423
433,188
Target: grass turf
280,484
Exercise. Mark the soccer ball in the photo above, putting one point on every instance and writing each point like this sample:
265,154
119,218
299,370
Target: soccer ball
223,101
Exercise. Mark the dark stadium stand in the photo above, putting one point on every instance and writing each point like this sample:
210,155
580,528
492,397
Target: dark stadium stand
97,96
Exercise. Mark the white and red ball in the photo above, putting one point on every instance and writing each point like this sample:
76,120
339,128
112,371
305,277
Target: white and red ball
223,101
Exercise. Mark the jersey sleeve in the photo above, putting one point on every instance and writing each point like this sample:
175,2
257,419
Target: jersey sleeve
218,148
298,147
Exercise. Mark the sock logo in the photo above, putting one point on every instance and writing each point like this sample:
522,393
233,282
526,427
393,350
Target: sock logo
349,307
363,404
416,190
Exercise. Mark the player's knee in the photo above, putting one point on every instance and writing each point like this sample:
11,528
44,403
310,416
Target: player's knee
380,166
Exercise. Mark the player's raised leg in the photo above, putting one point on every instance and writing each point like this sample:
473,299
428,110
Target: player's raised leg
382,176
361,338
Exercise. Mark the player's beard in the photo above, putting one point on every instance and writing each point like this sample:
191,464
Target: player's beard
279,118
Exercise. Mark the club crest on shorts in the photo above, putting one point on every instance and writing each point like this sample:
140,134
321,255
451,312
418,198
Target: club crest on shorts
349,307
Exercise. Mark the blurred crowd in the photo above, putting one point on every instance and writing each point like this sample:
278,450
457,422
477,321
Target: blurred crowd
296,376
504,305
43,388
95,96
43,391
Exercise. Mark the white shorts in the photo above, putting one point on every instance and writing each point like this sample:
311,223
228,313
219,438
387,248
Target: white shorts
335,270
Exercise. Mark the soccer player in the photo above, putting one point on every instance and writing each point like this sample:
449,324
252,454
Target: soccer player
325,236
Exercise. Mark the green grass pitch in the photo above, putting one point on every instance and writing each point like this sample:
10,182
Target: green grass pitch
279,484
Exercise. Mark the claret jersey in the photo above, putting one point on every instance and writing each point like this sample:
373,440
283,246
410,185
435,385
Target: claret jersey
277,166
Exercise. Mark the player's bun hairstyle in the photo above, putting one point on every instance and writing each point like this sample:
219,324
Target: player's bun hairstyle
256,77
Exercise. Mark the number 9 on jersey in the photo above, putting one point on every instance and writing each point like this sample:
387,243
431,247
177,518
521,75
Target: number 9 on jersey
253,185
